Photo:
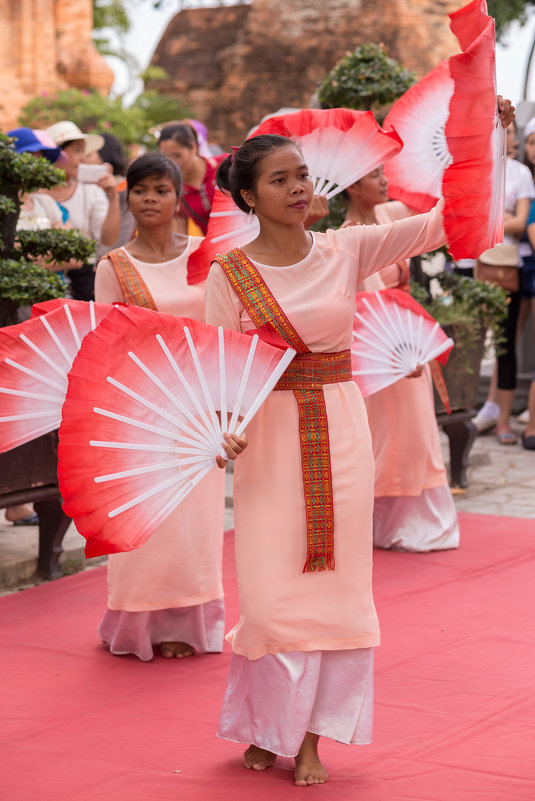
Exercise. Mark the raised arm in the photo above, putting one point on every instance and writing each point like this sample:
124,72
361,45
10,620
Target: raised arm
377,246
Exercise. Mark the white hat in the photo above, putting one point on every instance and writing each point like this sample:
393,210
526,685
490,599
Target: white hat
67,131
529,128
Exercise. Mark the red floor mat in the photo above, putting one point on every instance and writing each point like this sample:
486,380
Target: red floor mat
455,692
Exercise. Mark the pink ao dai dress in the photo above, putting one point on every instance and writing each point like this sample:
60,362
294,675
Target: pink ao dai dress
413,510
170,589
303,646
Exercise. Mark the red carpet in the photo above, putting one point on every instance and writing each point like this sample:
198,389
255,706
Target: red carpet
455,692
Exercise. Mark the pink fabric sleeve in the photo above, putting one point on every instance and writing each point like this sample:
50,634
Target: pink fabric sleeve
107,286
222,304
376,246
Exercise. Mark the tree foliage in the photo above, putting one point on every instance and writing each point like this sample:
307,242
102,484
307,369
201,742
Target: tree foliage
366,79
94,113
22,280
507,11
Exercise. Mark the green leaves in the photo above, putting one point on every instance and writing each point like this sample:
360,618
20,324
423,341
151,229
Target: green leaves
466,305
366,79
22,281
25,283
55,244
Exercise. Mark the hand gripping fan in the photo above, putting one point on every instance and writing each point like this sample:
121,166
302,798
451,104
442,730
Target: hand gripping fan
35,358
454,144
149,398
228,227
392,335
339,145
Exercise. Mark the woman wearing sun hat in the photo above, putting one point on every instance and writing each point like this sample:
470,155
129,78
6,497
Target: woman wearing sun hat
93,208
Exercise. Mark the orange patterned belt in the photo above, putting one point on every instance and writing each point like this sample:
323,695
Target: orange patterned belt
305,377
313,370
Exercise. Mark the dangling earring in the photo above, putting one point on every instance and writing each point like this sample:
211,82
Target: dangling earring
251,209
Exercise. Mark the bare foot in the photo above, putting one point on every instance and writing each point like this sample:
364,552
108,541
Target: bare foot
177,650
308,768
258,758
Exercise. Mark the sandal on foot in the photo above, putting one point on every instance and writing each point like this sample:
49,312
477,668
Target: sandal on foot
528,443
505,436
32,520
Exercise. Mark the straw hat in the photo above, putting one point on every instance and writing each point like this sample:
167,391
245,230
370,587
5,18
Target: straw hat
67,131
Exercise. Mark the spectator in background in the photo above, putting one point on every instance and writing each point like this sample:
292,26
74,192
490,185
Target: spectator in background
112,155
519,193
93,208
179,143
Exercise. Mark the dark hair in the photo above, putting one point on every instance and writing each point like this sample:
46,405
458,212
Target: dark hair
153,164
183,134
112,153
240,170
69,142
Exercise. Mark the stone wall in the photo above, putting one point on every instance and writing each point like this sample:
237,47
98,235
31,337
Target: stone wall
46,45
232,65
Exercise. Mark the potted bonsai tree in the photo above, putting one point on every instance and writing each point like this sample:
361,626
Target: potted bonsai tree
470,312
23,279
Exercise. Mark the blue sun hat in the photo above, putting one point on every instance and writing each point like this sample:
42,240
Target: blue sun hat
28,140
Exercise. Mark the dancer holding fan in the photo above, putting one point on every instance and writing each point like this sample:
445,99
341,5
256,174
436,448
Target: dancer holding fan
304,486
170,591
413,509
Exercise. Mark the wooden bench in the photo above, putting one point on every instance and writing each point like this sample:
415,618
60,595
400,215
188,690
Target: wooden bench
28,474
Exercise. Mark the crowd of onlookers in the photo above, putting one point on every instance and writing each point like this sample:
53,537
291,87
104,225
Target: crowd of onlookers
519,232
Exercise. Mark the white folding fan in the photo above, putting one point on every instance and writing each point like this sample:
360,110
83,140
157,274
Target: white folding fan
339,145
392,335
35,358
150,396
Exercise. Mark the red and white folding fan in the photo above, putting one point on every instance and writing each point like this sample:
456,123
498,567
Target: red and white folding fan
228,227
149,398
474,183
339,145
419,116
454,144
35,358
392,335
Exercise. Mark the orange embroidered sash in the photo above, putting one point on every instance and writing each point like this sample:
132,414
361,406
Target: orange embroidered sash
305,376
134,288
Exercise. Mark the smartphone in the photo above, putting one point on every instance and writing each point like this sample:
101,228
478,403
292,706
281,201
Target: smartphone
91,173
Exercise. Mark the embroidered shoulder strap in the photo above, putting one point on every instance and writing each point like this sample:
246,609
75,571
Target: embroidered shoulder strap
264,310
135,290
257,298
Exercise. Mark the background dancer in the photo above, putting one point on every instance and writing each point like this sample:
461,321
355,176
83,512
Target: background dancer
414,509
170,590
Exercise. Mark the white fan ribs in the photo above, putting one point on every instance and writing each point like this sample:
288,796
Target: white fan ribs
150,398
393,335
35,357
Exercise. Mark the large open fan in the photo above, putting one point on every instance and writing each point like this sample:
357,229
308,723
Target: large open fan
228,227
340,145
35,358
454,144
392,335
149,398
419,116
474,183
